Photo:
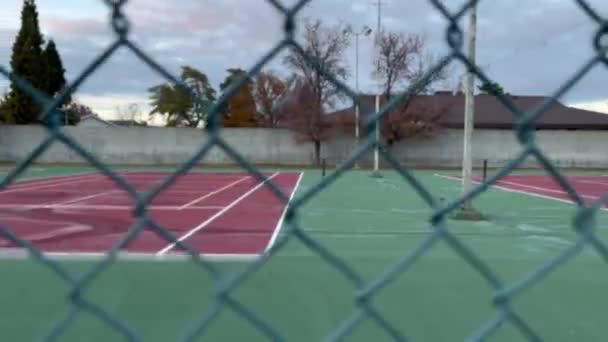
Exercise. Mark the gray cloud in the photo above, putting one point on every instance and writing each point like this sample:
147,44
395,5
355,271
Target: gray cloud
529,49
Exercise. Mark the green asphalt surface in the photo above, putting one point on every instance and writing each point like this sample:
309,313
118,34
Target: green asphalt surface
370,225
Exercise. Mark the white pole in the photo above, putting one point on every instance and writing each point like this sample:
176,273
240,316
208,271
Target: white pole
376,150
467,164
357,86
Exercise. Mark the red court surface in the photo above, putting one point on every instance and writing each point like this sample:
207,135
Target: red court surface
589,187
224,214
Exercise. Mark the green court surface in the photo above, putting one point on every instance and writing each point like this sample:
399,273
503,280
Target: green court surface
370,224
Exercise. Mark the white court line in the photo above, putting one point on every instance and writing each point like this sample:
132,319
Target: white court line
79,199
592,182
71,229
277,229
517,191
213,193
46,185
216,215
544,189
20,254
100,207
41,182
28,181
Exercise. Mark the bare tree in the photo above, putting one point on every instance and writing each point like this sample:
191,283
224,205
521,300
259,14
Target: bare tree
402,62
326,46
74,112
306,118
414,118
131,113
268,90
396,56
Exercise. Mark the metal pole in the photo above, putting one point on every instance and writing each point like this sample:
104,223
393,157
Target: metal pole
485,169
376,149
357,86
467,164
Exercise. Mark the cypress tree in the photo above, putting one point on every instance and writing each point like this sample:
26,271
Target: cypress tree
55,72
55,77
28,62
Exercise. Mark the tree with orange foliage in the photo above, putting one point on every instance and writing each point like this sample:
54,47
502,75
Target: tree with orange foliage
240,109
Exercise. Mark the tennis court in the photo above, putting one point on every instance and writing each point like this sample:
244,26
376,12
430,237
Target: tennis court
590,188
223,214
192,173
370,224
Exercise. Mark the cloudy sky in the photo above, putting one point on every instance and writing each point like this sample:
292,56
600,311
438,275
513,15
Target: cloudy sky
530,46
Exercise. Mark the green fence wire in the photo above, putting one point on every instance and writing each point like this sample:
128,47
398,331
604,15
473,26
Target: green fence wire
583,223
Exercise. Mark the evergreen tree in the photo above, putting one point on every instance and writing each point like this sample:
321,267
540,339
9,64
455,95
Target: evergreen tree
491,89
55,78
27,62
55,73
178,106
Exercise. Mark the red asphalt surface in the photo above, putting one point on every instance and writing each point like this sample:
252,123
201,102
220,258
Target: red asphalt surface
213,213
589,188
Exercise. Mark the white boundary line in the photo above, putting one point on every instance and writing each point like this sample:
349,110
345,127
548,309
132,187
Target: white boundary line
84,198
216,215
54,233
215,192
40,179
517,191
277,229
101,206
50,180
543,189
21,254
46,185
591,182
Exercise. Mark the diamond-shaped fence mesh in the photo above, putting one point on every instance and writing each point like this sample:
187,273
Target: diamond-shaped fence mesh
364,291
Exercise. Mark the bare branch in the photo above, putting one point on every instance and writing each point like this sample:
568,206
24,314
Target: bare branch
397,55
131,113
326,46
267,91
402,62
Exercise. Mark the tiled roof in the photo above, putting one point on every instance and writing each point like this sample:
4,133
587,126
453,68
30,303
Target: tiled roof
489,112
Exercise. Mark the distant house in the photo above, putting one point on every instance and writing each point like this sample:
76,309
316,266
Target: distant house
127,123
93,120
489,112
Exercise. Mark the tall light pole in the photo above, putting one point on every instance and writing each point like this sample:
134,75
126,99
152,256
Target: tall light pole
467,160
366,31
376,172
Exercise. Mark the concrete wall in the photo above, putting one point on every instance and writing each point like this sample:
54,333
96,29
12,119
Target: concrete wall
565,148
151,145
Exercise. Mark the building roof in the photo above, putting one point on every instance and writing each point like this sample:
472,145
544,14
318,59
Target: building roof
96,117
489,112
128,123
112,123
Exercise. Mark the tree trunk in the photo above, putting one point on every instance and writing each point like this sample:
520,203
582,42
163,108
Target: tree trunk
318,152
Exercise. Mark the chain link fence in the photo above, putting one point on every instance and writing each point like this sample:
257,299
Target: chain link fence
583,223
